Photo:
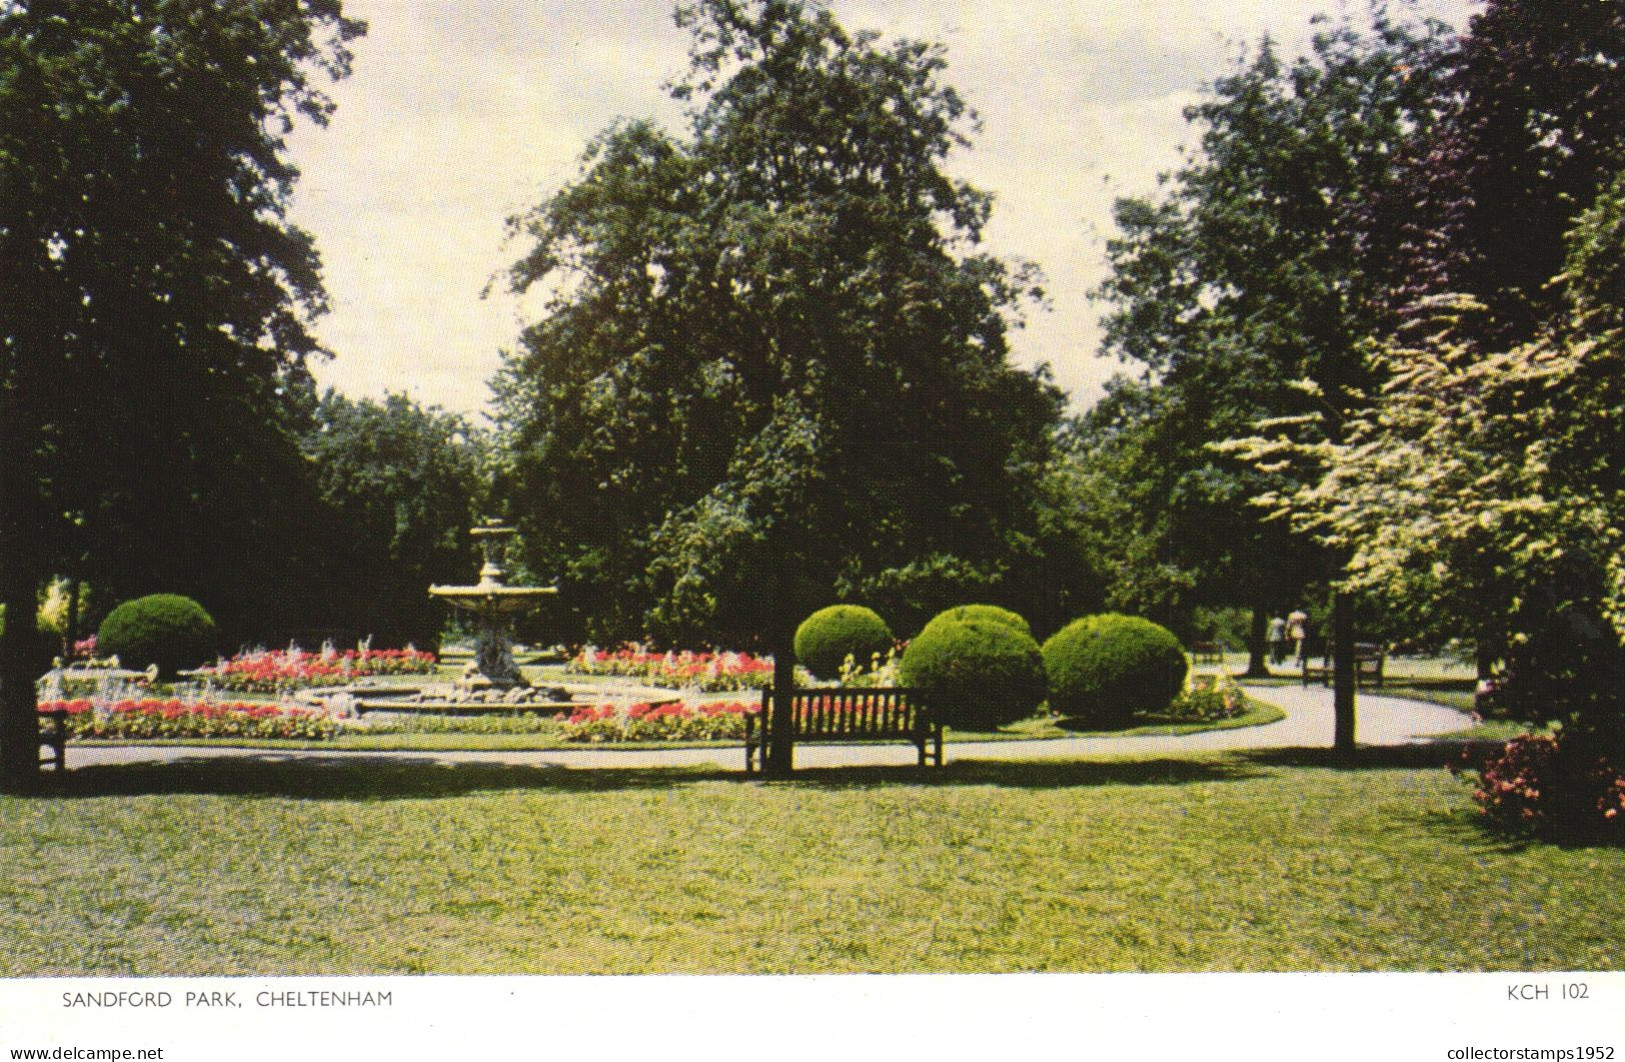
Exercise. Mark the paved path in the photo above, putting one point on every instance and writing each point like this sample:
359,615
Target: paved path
1308,724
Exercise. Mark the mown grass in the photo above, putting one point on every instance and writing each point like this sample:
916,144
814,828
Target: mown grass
322,865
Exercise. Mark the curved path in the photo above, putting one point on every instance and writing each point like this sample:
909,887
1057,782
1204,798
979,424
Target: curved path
1308,724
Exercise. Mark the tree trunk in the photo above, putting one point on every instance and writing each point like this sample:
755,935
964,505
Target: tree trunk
19,708
71,626
1343,676
1257,664
21,573
1485,654
781,746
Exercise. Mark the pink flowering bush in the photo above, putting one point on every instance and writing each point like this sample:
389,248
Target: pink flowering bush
152,718
604,723
711,672
272,671
1537,783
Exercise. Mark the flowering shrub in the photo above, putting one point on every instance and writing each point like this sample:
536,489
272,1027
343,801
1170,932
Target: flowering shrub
178,719
882,671
1537,783
271,671
710,672
1208,698
656,722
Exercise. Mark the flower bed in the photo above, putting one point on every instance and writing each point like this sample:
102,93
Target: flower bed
1208,699
146,719
710,672
272,671
663,722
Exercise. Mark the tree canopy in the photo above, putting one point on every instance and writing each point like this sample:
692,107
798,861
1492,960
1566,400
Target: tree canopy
773,371
1241,294
404,481
1487,487
154,299
1531,130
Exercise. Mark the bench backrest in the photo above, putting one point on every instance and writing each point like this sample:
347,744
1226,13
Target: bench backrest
856,713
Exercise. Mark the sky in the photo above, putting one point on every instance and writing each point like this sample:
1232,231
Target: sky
462,113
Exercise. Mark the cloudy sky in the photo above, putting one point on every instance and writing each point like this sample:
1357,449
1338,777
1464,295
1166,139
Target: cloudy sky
459,114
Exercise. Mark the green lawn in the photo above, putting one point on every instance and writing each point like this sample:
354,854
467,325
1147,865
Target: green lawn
1242,862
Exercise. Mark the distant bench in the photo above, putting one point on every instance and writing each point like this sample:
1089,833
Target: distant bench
836,715
1369,660
53,738
1208,652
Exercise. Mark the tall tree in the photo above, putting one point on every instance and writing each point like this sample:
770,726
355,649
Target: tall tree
1490,487
1532,129
405,482
775,371
1243,281
154,300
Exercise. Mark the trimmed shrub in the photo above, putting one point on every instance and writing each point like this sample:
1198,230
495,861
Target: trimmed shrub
984,614
1103,669
827,637
978,674
169,630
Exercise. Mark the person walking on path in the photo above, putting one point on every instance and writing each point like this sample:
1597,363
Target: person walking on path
1277,640
1297,625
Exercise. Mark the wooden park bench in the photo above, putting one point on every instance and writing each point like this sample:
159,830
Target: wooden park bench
1369,659
839,715
1208,652
53,739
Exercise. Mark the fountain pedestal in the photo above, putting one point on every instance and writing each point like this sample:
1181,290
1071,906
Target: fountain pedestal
493,604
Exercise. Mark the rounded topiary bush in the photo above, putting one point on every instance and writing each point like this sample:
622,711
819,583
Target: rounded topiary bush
978,674
169,630
1103,669
827,637
983,613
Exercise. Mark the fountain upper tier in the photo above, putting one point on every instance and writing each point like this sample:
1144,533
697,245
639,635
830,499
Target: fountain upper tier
492,594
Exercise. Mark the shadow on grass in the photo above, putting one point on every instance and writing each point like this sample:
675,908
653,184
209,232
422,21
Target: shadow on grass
1441,753
318,777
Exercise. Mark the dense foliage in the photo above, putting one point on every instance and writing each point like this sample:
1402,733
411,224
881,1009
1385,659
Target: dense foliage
982,613
827,638
154,307
773,369
978,675
1532,129
169,630
403,480
1238,284
1104,669
1554,788
1485,487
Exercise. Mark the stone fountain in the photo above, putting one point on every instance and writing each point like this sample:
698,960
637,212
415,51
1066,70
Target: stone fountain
492,682
494,604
